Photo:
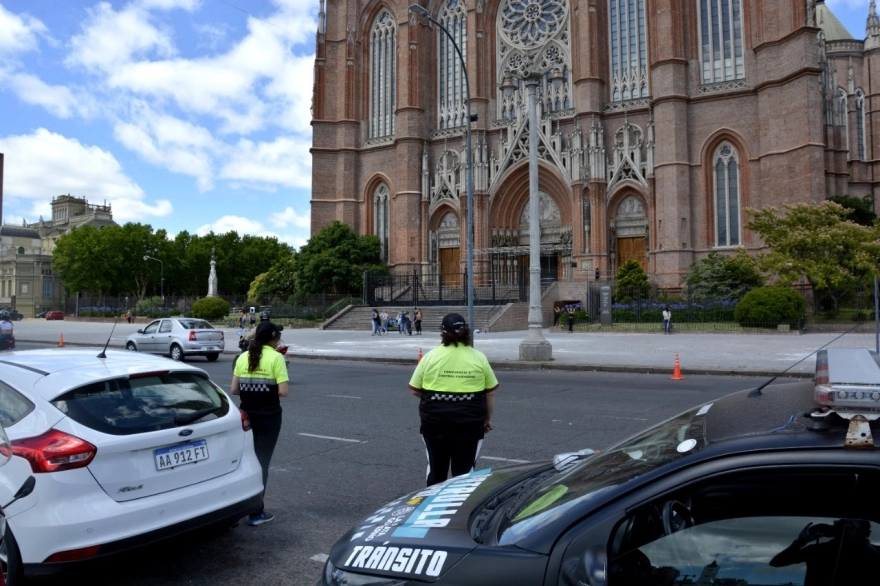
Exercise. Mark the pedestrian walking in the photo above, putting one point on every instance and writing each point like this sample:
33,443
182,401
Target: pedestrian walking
383,319
260,379
667,321
570,311
456,390
253,317
128,316
417,320
374,318
557,313
242,320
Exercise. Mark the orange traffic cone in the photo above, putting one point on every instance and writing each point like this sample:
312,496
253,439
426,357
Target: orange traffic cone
676,372
420,355
61,341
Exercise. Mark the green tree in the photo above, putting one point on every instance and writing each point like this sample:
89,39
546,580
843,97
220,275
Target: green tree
860,206
632,282
723,277
334,261
279,281
818,242
81,258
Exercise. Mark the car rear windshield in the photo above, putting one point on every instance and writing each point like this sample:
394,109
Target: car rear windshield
142,403
195,324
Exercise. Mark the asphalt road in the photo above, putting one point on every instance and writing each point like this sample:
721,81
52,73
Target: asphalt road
350,443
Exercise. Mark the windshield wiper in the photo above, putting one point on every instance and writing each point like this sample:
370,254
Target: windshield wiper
525,490
195,415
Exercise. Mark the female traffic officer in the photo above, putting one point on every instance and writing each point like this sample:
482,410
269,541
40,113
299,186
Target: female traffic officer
260,378
456,386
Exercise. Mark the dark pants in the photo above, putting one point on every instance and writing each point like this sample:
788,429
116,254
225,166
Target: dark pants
265,429
570,323
460,453
418,323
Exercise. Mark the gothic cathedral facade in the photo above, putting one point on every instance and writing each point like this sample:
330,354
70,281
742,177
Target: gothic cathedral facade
659,123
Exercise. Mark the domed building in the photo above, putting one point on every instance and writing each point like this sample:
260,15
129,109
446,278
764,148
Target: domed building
658,124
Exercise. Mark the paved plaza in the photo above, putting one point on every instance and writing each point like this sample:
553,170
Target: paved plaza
699,353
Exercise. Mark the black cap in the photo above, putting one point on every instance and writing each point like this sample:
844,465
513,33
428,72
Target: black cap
453,322
266,331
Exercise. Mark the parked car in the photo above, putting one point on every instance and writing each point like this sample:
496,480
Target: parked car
43,313
741,490
178,337
54,314
15,484
126,449
14,315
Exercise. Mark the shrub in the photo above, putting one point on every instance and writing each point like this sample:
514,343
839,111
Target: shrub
632,282
210,308
770,306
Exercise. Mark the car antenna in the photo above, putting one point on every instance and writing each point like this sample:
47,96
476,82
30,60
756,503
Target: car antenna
757,392
103,353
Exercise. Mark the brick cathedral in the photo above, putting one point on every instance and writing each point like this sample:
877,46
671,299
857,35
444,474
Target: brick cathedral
660,122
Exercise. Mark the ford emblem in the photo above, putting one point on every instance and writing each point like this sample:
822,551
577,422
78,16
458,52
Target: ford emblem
185,432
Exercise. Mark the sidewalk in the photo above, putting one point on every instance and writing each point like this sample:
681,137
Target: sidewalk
699,353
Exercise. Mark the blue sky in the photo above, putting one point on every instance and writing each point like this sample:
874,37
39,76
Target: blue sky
183,114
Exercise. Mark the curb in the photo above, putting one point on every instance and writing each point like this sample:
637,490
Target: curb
504,365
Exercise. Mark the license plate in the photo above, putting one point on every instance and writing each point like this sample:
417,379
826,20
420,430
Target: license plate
181,454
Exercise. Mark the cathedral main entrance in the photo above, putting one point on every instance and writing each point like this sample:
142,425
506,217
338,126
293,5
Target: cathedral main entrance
630,233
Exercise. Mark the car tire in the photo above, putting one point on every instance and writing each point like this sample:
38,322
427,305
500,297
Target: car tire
212,356
10,559
131,347
176,353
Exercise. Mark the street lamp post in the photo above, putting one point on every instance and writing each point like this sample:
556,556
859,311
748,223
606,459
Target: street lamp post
161,276
421,11
529,63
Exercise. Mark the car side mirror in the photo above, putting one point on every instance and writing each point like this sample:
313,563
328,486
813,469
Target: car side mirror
141,331
590,569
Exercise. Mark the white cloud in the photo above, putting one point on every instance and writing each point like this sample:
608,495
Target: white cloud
188,5
110,38
43,164
284,161
18,33
58,100
290,217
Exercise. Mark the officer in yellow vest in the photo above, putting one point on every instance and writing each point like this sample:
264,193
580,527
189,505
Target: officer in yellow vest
456,387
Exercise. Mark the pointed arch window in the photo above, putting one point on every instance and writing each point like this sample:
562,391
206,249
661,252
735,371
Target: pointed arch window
721,40
725,168
381,218
452,103
383,75
843,118
629,49
860,124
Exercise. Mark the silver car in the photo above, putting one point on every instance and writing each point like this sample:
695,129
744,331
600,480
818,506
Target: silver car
178,337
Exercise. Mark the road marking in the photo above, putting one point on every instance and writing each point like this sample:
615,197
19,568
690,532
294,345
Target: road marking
505,459
339,439
319,557
344,397
627,418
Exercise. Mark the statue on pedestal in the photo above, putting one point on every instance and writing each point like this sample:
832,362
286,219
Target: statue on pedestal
212,278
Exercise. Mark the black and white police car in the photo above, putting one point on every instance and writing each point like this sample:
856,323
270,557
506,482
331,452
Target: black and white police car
777,485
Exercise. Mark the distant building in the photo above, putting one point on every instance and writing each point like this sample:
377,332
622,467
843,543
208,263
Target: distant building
27,282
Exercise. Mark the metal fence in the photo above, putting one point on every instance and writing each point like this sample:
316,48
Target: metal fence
426,289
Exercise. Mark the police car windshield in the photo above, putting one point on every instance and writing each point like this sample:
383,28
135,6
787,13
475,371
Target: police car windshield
590,478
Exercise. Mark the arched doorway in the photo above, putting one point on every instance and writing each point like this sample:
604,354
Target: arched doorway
449,245
629,233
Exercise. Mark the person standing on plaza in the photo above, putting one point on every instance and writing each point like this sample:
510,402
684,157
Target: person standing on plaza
374,318
456,390
557,313
667,320
570,311
417,320
260,378
383,319
242,320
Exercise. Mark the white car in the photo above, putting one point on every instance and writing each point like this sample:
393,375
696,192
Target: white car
126,450
178,337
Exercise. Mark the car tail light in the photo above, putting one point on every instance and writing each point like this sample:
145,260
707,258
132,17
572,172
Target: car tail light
54,451
245,421
192,335
73,555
